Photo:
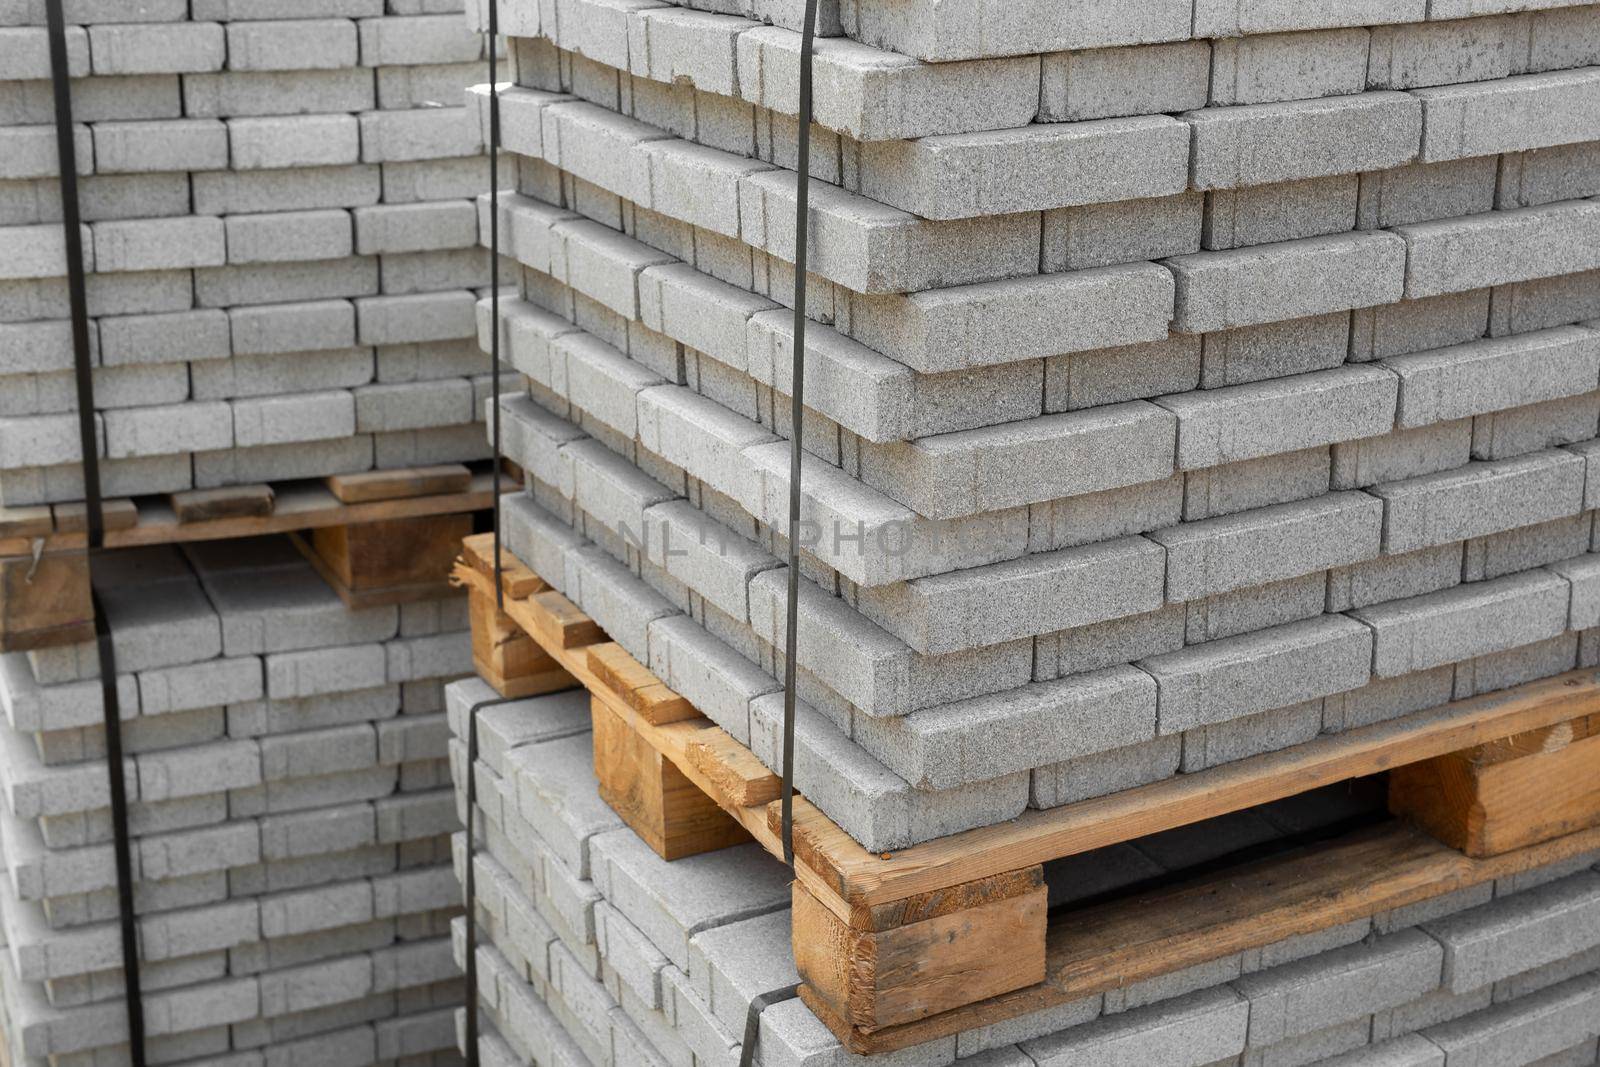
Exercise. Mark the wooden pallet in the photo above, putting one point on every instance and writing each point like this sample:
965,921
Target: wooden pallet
382,537
898,949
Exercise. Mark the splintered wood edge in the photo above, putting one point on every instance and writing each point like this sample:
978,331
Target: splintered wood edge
867,879
517,577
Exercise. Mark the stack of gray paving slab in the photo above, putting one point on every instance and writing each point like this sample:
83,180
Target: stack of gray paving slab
1185,380
290,807
277,221
597,952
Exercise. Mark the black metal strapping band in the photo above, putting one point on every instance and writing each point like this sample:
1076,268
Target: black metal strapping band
797,401
797,395
470,879
752,1020
67,156
494,295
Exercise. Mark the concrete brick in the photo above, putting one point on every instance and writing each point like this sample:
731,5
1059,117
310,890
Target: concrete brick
1115,82
1284,211
287,236
1400,454
1197,1029
973,471
1294,279
1509,115
710,674
1000,322
1224,554
288,419
1269,68
671,903
1526,547
1255,608
1218,18
167,429
1534,427
1272,731
872,94
1423,191
220,192
419,317
1479,499
173,48
1125,231
1455,255
291,44
929,33
294,141
1543,1024
279,328
1487,376
1306,411
871,803
1444,53
1115,375
411,40
1340,986
963,175
1257,672
941,748
255,94
421,133
1546,175
1259,143
390,228
1426,570
160,145
1426,631
1232,488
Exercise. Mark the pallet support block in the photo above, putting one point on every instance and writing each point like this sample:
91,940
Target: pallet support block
391,561
45,601
654,797
905,961
1505,795
508,659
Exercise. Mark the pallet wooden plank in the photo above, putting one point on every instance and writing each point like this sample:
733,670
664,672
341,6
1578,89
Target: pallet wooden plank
117,514
45,602
864,878
229,502
1148,935
299,506
964,944
636,686
369,486
743,779
517,577
26,522
393,553
560,620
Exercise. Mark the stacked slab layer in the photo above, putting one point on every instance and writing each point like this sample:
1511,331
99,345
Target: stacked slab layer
599,952
277,221
289,805
1177,391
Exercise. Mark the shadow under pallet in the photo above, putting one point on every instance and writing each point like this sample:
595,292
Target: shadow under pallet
902,948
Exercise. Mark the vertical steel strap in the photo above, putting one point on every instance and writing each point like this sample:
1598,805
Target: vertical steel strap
88,439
